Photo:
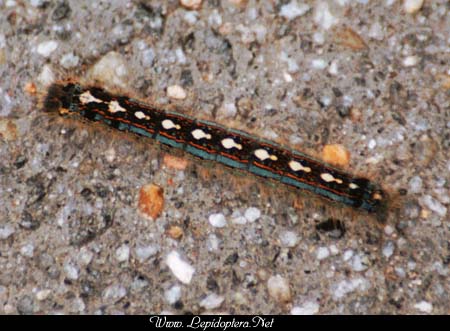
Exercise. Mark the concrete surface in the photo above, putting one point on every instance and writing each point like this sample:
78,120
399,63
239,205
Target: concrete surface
370,75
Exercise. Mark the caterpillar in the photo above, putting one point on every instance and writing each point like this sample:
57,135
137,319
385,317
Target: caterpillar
211,141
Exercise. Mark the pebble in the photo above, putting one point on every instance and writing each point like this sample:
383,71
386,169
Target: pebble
71,271
191,4
85,256
322,253
388,249
6,231
410,61
37,3
376,31
76,305
46,48
252,214
123,253
27,250
278,288
415,184
308,308
110,70
151,201
334,250
293,10
114,293
388,230
323,17
181,269
434,205
217,220
69,60
46,76
359,262
144,252
424,307
319,64
372,143
213,243
212,301
333,69
173,294
336,154
400,272
176,92
43,294
412,6
288,239
237,218
319,38
227,110
341,289
348,254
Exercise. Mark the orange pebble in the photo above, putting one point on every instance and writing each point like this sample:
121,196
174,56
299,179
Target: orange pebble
174,162
336,154
151,201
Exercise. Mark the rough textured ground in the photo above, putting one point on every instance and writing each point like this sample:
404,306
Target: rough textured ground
364,74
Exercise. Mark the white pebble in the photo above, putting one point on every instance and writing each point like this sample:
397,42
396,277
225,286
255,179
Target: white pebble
123,253
319,64
348,254
237,218
114,293
308,308
288,239
376,31
424,307
412,6
334,250
342,288
27,250
279,288
434,205
46,76
213,243
252,214
333,69
293,9
85,256
176,92
71,271
6,231
43,294
173,294
111,70
388,249
212,301
69,60
217,220
359,262
182,270
46,48
411,61
191,4
323,17
415,184
228,110
144,252
322,253
372,143
388,230
318,38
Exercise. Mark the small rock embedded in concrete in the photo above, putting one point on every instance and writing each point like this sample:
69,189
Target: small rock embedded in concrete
410,61
123,253
173,294
336,154
6,231
27,250
424,307
110,70
434,205
360,262
341,289
71,270
293,10
114,293
69,60
412,6
43,294
46,48
323,17
252,214
212,301
388,249
322,253
278,288
415,184
308,308
288,239
191,4
176,92
182,270
144,252
151,201
46,76
217,220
